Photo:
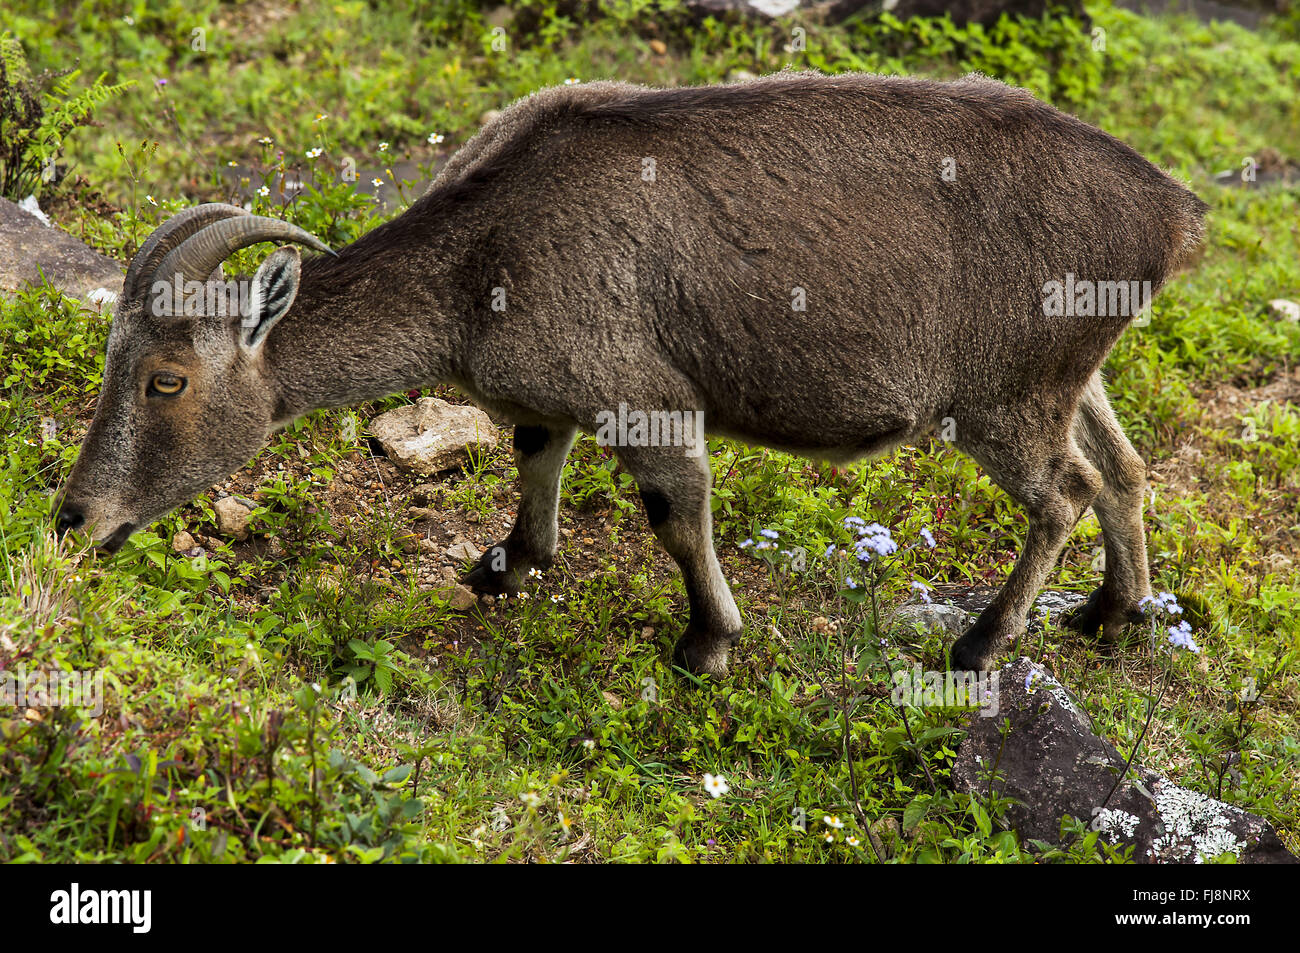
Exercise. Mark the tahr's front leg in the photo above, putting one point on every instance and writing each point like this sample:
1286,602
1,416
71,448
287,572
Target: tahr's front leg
540,452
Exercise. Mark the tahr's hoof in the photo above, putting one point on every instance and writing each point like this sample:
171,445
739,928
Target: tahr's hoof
1088,617
700,659
702,655
1100,614
966,658
486,580
977,649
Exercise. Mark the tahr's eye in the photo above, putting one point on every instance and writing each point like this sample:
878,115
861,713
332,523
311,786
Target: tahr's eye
169,385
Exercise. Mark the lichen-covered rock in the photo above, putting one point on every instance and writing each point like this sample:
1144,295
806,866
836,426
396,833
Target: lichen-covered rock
1052,764
431,435
932,617
951,611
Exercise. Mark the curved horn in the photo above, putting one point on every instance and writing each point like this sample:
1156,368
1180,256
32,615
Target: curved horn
197,257
167,236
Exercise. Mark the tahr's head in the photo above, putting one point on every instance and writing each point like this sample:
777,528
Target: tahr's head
185,400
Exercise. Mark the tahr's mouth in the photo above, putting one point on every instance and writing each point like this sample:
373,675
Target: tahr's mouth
117,538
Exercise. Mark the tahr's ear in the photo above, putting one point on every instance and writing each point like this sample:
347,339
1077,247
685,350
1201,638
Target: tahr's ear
274,287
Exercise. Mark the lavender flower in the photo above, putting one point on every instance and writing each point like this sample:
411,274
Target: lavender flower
874,540
1180,636
1162,602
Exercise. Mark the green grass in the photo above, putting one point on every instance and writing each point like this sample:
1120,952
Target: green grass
315,700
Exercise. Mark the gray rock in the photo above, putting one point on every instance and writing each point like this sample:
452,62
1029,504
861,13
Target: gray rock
232,517
1052,764
951,611
1052,606
463,550
967,11
932,617
29,248
431,435
182,542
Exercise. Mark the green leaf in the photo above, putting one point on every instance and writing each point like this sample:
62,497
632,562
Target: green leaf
915,811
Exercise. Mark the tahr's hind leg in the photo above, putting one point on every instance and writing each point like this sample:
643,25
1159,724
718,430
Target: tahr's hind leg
1049,476
675,490
1119,510
539,454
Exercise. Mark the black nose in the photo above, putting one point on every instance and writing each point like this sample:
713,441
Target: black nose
70,517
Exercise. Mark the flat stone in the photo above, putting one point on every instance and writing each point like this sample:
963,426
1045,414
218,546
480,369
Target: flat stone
1051,764
424,494
463,550
29,248
459,597
432,436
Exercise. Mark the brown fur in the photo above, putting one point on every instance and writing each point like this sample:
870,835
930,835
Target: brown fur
924,303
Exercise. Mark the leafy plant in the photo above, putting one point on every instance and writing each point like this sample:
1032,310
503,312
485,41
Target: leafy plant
34,124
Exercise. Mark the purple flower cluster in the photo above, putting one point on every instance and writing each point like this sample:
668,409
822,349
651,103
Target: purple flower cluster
769,540
873,539
1180,635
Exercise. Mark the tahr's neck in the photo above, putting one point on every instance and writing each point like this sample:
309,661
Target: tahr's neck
373,321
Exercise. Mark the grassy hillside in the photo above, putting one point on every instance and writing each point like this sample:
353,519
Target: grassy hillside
311,695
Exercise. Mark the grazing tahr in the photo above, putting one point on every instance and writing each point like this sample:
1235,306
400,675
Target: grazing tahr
831,266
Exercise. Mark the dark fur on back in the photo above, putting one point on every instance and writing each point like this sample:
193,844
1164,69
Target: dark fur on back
923,296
